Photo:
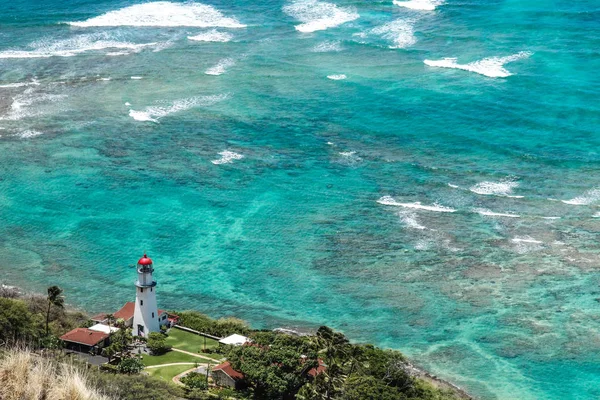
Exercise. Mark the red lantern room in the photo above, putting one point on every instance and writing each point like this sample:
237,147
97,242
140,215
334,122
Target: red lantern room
145,260
145,265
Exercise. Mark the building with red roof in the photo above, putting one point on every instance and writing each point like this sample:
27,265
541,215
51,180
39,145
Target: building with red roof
85,340
224,375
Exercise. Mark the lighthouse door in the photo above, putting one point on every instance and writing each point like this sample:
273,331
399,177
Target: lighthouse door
140,330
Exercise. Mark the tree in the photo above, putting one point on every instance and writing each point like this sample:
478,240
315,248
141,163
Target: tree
110,320
54,299
194,380
336,351
275,366
157,343
130,365
17,322
369,387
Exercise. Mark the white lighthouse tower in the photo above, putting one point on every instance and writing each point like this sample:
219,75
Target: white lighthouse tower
145,316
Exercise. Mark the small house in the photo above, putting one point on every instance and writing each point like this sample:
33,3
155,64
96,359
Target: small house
225,376
85,340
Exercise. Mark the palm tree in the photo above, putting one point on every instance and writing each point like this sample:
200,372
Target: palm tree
54,299
110,319
333,348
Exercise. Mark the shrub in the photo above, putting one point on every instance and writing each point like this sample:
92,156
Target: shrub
194,380
130,365
222,327
157,343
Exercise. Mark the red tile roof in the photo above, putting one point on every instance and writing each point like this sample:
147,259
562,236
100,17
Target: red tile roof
126,312
84,336
99,317
226,367
320,369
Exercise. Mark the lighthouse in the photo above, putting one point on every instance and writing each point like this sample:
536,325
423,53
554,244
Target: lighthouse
145,316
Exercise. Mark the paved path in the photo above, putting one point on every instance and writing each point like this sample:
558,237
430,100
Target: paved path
197,355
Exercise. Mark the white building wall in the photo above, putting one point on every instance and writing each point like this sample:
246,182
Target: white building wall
146,309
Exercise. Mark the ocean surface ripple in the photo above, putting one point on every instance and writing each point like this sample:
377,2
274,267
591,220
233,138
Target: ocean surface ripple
421,174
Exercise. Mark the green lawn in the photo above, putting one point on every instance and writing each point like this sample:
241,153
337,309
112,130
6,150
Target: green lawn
167,373
172,357
190,341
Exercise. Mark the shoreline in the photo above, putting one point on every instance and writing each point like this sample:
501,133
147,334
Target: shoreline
412,369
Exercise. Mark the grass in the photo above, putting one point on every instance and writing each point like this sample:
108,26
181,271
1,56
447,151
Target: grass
173,357
167,373
190,341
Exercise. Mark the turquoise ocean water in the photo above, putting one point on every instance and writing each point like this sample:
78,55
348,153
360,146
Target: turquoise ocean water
422,175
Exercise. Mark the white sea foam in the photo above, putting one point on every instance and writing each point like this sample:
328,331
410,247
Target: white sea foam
596,215
33,82
22,105
163,14
589,197
390,201
423,5
319,15
154,113
525,240
104,79
503,188
27,134
73,46
488,213
227,157
212,36
339,77
410,220
136,78
127,103
400,32
328,46
492,67
453,186
221,67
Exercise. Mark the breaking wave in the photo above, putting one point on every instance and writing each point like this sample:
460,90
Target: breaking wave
488,213
227,157
31,103
503,188
221,67
587,198
409,219
74,46
423,5
27,134
212,36
399,32
163,14
525,240
492,67
329,46
319,15
338,77
389,201
154,113
33,82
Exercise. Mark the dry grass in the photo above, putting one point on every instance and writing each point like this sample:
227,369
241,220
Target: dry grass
25,376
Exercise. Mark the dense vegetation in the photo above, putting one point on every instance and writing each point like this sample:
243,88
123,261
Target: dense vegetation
324,366
280,366
221,327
